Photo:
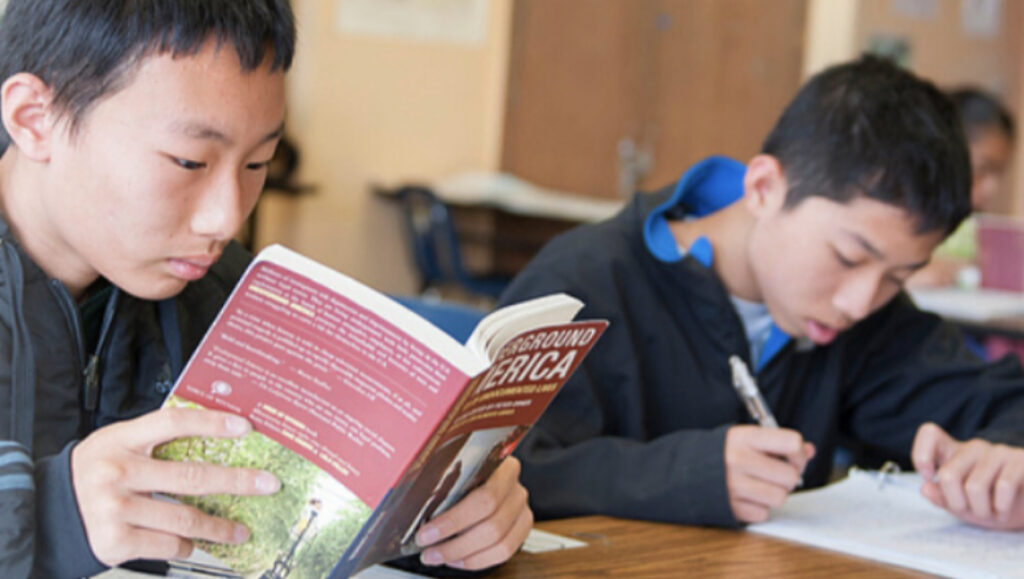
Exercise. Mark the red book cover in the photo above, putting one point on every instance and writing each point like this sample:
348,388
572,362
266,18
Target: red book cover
354,399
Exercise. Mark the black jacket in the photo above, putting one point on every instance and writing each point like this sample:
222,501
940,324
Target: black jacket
639,429
53,392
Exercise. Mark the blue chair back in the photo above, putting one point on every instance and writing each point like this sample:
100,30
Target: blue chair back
435,244
457,320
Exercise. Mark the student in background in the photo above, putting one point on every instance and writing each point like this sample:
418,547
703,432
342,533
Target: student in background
990,133
794,262
136,138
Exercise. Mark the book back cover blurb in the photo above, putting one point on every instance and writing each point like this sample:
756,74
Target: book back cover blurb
340,400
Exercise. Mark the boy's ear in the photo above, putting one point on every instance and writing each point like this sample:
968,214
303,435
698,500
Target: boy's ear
25,107
764,185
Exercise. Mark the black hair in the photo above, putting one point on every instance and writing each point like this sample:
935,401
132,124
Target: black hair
980,110
869,128
85,50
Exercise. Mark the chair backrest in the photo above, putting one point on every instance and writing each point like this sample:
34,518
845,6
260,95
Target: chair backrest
432,236
457,320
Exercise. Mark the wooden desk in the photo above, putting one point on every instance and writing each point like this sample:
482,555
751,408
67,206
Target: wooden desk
623,548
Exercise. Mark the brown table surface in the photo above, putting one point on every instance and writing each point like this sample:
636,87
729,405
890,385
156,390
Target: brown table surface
623,548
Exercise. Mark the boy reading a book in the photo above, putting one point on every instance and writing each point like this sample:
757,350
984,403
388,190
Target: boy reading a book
137,136
794,262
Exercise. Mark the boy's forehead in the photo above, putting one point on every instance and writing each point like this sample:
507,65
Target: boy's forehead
202,95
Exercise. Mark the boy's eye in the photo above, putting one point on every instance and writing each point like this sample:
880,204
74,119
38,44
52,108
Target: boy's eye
258,166
896,281
847,263
189,165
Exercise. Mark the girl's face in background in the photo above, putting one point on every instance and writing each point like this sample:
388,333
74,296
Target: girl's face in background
990,156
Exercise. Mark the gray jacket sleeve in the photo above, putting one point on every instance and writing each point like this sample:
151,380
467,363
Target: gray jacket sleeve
41,531
17,500
61,546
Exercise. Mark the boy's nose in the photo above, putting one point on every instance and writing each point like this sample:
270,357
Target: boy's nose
855,299
219,213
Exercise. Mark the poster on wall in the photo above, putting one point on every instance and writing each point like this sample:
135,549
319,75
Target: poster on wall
916,9
445,21
980,18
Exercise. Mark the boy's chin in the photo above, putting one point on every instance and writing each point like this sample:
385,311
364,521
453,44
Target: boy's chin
152,290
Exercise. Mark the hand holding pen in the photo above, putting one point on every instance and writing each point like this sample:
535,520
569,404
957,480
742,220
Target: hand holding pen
763,463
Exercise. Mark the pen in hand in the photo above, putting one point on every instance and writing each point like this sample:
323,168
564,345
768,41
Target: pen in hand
751,396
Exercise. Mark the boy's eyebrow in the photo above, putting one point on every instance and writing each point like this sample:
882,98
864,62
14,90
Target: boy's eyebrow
874,251
206,132
866,245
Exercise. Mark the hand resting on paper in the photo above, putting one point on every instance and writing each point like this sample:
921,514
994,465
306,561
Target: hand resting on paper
762,466
977,481
114,474
485,528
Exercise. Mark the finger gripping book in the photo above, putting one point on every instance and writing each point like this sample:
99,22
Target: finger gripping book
374,420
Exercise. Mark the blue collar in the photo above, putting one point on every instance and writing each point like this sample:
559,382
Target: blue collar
705,188
712,184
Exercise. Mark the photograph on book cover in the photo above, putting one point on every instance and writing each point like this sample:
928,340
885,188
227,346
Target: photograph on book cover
298,532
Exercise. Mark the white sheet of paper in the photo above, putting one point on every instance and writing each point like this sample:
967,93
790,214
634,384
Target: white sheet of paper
893,523
542,541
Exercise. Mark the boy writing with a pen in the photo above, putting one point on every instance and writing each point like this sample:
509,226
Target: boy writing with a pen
794,262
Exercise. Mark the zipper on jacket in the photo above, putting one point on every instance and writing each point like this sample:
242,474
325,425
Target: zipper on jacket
92,371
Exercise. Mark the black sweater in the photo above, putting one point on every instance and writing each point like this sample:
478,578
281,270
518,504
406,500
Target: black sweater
639,430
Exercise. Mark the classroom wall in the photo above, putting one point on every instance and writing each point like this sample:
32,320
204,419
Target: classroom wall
940,49
945,49
370,110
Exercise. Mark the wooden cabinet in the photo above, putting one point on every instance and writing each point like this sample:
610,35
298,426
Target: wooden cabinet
608,95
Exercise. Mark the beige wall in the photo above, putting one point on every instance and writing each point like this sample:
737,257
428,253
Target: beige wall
830,37
380,111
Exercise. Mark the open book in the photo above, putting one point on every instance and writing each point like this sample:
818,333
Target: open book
373,419
887,519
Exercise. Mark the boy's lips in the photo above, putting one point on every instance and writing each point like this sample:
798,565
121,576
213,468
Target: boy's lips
820,333
193,267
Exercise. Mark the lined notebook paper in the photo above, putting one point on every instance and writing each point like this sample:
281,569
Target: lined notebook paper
893,523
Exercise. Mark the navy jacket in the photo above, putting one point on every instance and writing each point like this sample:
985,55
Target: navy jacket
639,429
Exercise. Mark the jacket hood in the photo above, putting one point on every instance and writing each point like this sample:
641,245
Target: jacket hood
710,185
